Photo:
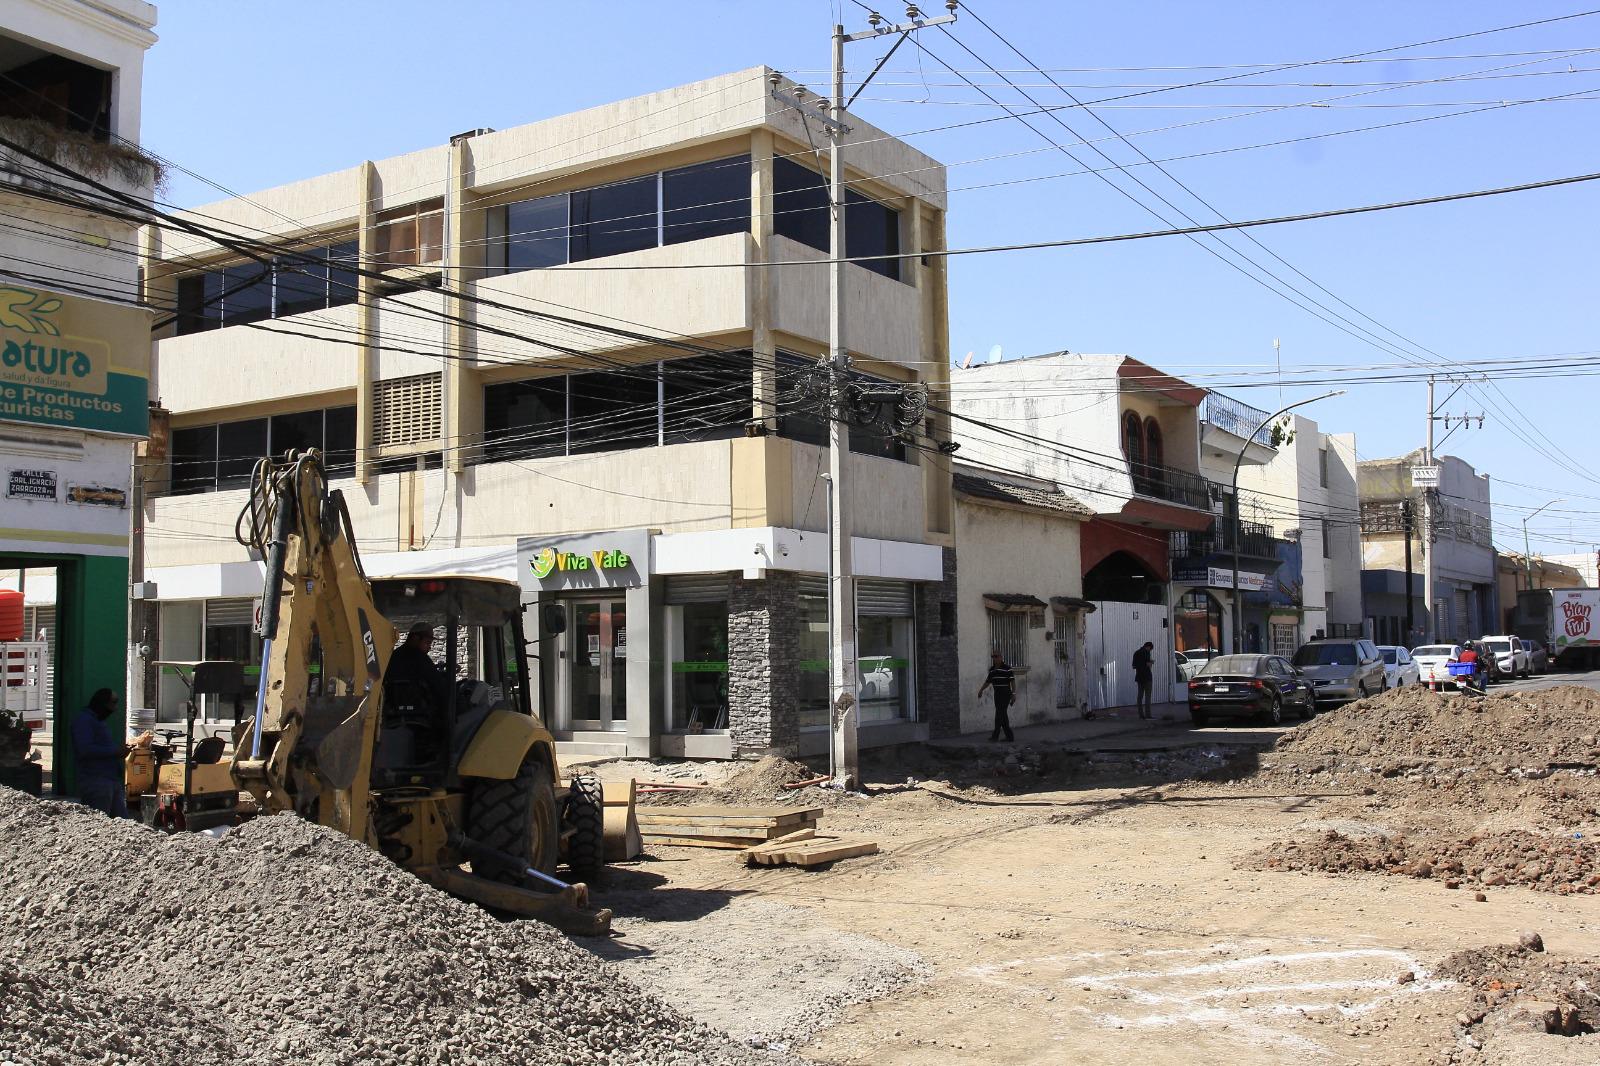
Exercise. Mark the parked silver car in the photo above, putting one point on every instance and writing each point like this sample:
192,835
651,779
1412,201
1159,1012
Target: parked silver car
1342,669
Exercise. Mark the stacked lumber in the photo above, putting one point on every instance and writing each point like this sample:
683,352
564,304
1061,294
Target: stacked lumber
722,827
807,847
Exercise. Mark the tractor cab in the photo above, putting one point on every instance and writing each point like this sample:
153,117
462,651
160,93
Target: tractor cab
460,658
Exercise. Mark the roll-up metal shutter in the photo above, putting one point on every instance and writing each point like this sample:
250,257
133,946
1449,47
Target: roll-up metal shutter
697,588
883,598
811,585
230,612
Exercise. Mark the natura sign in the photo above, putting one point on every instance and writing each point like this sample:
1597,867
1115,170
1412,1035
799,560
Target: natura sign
73,363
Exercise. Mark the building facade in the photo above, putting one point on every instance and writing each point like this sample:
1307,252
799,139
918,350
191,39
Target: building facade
1020,585
74,388
581,354
1465,603
1124,439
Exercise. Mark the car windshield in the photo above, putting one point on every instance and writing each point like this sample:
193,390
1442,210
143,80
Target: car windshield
1499,645
1436,651
1326,655
1232,664
1389,655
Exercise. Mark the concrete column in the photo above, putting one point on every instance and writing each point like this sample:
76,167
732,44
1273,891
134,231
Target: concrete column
763,286
763,663
938,654
643,605
932,281
366,323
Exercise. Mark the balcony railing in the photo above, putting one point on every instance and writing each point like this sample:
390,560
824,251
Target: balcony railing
1231,416
1256,541
1174,486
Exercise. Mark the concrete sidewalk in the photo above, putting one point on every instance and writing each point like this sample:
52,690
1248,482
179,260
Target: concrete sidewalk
1121,729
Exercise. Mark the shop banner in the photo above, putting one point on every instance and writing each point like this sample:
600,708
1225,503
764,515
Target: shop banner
74,363
615,560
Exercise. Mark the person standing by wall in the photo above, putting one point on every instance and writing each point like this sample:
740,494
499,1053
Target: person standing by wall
1144,677
1003,680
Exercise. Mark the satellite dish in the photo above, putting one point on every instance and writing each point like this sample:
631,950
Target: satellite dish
994,354
967,362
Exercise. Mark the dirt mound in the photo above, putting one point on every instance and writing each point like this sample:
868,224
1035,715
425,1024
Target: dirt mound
301,945
1558,725
1550,864
759,784
1519,988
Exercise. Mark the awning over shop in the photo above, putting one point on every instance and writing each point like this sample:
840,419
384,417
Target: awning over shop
1020,602
1072,603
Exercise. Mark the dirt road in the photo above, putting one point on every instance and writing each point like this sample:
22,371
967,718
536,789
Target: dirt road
1096,914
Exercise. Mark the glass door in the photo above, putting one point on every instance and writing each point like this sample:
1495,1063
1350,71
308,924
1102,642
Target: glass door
597,664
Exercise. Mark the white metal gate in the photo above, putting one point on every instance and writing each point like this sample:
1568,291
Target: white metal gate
1115,632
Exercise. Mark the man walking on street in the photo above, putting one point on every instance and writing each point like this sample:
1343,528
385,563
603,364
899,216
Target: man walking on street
1143,677
1004,682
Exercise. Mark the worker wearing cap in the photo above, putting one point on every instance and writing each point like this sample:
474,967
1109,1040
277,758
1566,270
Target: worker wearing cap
99,756
412,664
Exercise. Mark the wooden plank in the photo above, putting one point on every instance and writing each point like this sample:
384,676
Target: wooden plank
788,838
755,836
648,817
843,849
689,810
700,842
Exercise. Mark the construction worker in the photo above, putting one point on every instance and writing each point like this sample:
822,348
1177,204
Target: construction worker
99,756
1003,680
412,664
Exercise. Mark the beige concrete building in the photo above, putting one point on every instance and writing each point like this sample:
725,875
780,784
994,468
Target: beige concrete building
596,332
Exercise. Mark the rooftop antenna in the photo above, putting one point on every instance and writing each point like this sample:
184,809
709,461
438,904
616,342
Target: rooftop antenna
995,353
967,362
1277,355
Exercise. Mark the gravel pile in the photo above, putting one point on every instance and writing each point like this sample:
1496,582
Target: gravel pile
286,942
1564,865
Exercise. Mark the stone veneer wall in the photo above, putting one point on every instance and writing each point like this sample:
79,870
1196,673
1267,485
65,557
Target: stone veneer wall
763,665
938,662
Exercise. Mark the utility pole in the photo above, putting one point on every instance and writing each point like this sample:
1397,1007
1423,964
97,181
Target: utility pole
1428,534
843,676
1408,522
1527,552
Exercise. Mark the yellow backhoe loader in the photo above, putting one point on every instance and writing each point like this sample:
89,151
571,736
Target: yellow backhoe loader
435,770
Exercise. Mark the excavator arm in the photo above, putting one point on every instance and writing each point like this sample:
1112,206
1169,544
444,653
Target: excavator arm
325,647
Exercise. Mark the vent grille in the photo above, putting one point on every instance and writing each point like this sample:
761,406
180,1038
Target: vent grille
230,612
406,410
697,588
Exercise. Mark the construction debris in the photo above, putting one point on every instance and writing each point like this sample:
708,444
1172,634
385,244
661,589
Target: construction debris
722,827
288,942
808,848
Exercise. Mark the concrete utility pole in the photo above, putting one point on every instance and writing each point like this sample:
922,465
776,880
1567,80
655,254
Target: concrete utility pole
1428,535
843,676
1527,552
1408,522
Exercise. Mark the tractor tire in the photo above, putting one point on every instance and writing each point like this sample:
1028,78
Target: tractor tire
585,814
518,817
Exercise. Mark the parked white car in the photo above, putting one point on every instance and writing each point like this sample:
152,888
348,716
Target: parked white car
1510,656
1399,667
1432,662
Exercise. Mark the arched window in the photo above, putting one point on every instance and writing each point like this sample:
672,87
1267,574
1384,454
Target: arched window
1153,453
1132,441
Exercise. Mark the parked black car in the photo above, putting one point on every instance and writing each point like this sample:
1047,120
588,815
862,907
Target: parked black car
1257,686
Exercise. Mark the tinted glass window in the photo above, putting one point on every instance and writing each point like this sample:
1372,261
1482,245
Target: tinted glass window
522,419
613,219
239,446
296,431
610,412
799,415
339,438
1327,655
870,228
1499,645
343,284
707,398
705,200
247,295
536,233
800,204
1435,650
198,305
194,459
1246,665
302,286
1390,657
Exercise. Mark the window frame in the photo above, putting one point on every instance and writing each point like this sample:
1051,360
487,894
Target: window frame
1013,646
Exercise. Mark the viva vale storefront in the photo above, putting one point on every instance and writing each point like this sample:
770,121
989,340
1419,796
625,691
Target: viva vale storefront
715,644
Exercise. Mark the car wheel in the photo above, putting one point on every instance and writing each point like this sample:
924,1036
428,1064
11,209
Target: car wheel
1361,691
1275,712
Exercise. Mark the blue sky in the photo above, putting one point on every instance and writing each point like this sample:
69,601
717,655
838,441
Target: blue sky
256,94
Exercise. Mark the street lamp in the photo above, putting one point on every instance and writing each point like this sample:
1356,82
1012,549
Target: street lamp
1527,555
1238,597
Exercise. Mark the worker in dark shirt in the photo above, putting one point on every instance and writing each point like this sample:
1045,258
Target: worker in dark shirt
1004,683
411,664
1144,677
99,756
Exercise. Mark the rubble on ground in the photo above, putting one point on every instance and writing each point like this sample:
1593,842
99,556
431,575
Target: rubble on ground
287,942
1563,865
760,783
1520,988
